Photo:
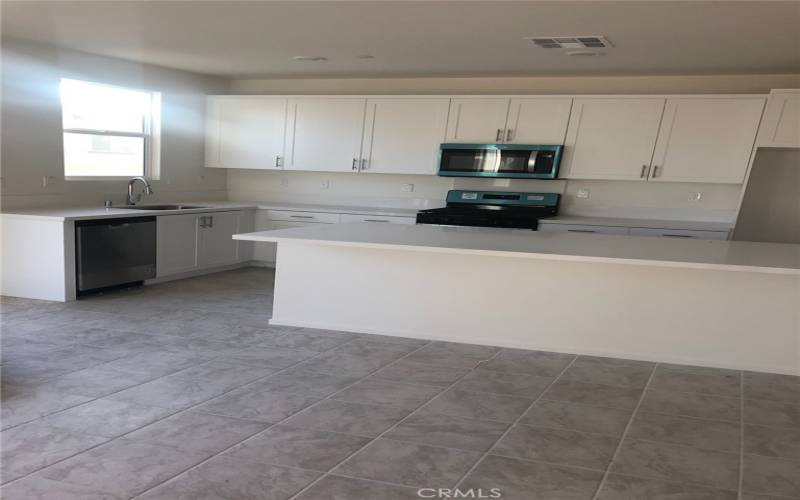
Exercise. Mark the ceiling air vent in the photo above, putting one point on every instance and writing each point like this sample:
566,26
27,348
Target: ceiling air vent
570,42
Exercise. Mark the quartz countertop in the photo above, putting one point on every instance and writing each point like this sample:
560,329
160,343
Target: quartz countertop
84,213
772,258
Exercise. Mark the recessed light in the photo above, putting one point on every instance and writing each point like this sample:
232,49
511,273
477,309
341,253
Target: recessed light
310,58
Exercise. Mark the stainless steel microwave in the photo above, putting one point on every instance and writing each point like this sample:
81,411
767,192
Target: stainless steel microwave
518,161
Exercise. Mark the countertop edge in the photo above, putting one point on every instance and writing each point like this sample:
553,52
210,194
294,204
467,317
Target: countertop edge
531,255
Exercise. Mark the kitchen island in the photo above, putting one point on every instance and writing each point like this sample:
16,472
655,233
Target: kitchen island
712,303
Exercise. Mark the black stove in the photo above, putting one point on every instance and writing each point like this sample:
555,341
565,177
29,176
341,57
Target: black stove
492,209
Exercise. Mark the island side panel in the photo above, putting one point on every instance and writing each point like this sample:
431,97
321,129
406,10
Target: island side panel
733,319
34,258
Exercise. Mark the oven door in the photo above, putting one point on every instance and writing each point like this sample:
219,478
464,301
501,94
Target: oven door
499,160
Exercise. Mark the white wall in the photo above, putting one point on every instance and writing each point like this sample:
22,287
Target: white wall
771,204
31,127
607,198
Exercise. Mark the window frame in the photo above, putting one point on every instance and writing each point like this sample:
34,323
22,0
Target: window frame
150,135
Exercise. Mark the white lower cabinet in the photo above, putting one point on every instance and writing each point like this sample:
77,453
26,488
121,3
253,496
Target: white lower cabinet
386,219
679,233
633,231
193,242
176,244
582,228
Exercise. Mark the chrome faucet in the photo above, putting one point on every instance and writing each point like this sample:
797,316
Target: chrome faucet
147,189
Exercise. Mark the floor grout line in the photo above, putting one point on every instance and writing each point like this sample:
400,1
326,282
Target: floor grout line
166,416
394,426
288,417
515,422
624,434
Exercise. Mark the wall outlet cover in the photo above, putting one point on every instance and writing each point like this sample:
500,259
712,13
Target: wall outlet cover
408,188
583,193
284,182
326,184
696,196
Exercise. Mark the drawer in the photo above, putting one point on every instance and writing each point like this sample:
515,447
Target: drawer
680,233
391,219
292,216
582,228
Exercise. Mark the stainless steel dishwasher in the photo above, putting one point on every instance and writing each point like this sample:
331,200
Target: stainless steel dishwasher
114,252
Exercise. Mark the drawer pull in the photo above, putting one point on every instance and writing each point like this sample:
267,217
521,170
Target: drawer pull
581,231
302,216
375,220
666,235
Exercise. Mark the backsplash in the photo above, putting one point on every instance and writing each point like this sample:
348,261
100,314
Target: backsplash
717,202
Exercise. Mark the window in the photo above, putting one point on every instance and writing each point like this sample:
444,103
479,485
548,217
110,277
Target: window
109,131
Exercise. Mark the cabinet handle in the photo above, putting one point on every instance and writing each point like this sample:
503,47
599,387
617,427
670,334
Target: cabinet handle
375,220
499,136
278,161
655,171
644,172
667,235
364,164
202,221
509,135
302,216
581,231
355,163
211,221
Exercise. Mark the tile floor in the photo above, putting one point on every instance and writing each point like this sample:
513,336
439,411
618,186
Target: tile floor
182,391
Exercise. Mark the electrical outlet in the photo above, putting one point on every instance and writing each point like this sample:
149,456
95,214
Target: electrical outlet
326,184
696,196
583,193
285,182
46,180
407,188
200,179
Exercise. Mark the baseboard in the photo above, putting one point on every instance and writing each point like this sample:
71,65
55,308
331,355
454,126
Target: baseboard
198,272
493,341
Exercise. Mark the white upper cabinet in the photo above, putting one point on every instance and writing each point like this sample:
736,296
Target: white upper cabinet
324,133
706,139
780,127
477,120
611,138
537,120
245,131
402,136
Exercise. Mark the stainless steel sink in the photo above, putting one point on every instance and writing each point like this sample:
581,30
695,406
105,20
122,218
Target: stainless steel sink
159,207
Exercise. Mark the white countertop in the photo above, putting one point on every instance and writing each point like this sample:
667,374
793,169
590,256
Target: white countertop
688,225
700,254
84,213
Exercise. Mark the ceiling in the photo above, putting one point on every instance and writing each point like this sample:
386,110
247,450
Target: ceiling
412,38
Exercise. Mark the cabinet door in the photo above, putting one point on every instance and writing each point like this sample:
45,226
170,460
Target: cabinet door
252,130
176,244
611,138
781,125
402,136
706,139
215,243
325,134
538,120
479,120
